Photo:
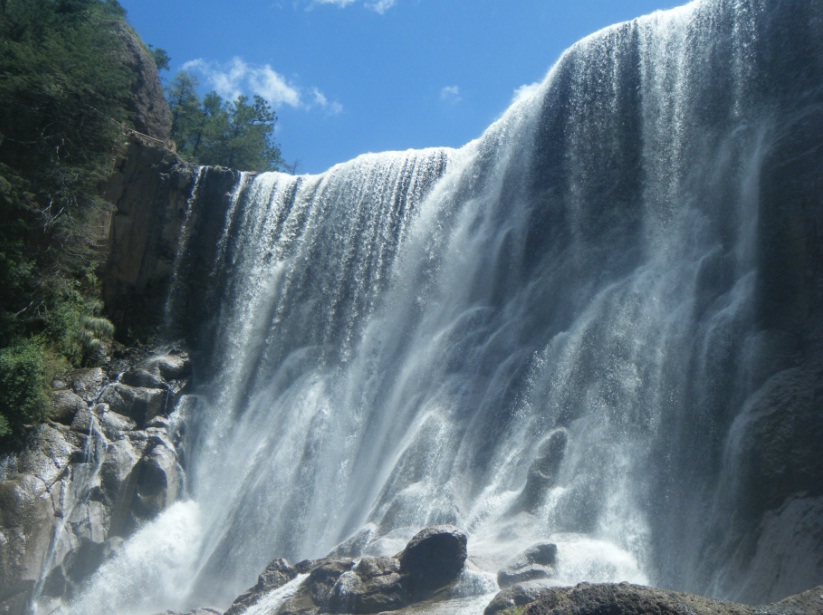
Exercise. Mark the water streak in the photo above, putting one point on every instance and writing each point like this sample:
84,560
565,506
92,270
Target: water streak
540,337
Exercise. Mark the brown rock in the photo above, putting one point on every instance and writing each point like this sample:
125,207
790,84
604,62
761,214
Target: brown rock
150,110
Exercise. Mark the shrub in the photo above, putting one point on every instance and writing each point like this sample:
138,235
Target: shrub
24,383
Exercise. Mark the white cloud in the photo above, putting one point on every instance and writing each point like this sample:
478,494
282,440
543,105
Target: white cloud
381,6
525,91
330,107
238,77
451,94
341,3
378,6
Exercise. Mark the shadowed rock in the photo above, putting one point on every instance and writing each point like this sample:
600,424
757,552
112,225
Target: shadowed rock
625,599
433,558
536,562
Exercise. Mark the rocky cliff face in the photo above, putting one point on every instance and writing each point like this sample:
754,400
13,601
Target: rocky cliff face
150,111
85,480
150,189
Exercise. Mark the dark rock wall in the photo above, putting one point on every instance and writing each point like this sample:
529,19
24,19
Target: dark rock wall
149,189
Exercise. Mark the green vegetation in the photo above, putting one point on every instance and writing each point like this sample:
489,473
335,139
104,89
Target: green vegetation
64,94
23,382
65,97
237,134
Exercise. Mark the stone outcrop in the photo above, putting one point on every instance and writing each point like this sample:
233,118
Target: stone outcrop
625,599
431,561
150,110
536,562
104,464
150,190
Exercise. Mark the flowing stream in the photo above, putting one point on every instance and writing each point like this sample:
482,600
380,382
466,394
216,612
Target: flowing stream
543,336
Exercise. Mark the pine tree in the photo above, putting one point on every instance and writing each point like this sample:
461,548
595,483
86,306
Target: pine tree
237,134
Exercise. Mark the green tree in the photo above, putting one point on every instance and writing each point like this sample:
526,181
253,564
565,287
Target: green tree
161,57
64,93
187,115
237,134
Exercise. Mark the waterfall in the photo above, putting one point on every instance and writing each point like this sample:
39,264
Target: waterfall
544,336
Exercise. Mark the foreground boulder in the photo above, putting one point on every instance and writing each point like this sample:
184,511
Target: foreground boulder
431,561
626,599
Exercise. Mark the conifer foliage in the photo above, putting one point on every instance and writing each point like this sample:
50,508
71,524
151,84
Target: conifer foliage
64,94
233,133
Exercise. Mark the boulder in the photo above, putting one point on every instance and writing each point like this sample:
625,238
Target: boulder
374,585
169,367
323,578
198,611
626,599
138,403
65,404
433,558
537,562
511,598
158,481
277,573
140,377
87,383
314,594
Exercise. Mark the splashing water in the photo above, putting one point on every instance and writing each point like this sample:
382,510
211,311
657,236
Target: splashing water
538,337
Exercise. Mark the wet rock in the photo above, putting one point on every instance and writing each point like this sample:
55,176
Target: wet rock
158,482
543,472
140,377
82,421
537,562
623,598
87,383
374,585
277,573
64,405
542,553
314,594
323,578
112,423
512,597
433,558
169,367
198,611
138,403
30,503
508,576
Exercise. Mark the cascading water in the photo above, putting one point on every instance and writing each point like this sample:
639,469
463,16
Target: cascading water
543,336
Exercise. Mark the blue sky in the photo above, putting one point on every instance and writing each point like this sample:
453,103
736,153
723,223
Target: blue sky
348,77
